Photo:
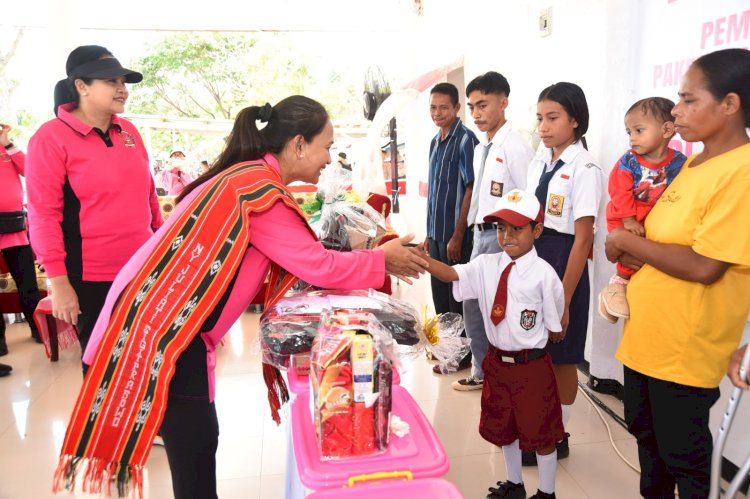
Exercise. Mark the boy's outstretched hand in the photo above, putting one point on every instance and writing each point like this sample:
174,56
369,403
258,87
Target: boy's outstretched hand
421,250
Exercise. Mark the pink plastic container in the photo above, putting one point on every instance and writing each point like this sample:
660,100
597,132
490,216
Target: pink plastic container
425,488
420,452
297,383
301,384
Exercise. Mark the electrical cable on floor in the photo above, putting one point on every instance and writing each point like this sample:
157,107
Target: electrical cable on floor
606,424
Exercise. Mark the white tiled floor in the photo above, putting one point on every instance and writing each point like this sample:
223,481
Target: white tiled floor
36,400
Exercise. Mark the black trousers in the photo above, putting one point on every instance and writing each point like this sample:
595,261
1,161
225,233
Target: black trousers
442,292
20,261
670,423
91,296
190,427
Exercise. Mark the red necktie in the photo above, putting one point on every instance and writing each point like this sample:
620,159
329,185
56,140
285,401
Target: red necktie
501,296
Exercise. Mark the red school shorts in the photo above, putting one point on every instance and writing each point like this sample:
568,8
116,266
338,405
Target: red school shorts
520,401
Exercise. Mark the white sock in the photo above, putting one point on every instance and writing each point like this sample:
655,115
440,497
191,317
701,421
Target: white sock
616,279
566,412
547,471
512,456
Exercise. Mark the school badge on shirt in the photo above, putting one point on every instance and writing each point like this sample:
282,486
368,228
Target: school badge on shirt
496,189
127,139
555,205
528,319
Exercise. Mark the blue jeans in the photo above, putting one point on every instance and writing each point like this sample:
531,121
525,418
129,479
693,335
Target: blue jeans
485,243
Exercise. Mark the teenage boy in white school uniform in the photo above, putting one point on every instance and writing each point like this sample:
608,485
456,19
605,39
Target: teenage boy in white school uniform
500,165
522,301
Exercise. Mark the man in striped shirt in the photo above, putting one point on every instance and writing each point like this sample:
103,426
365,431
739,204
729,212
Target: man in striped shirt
451,177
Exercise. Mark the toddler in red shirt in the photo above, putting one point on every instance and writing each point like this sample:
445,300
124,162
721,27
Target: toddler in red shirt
637,181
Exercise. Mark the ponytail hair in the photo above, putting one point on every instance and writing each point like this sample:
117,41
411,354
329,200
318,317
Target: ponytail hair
65,93
295,115
571,97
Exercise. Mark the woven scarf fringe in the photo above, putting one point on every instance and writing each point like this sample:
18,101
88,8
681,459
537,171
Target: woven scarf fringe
98,477
278,394
66,337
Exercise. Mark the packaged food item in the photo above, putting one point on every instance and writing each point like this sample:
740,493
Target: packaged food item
351,377
383,405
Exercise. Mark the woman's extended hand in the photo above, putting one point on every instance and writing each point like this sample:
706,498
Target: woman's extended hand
64,300
402,261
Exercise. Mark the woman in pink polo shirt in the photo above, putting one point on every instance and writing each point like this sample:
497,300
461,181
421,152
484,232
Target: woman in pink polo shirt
176,176
14,240
92,200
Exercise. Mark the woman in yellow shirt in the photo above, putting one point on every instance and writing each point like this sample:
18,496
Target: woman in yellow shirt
691,295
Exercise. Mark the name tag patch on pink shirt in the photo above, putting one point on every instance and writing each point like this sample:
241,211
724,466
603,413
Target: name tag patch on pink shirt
127,139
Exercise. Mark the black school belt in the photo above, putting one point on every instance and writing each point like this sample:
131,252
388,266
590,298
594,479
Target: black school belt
485,226
520,356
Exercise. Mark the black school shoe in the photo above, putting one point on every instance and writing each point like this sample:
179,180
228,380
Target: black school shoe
563,451
5,370
543,495
3,344
508,490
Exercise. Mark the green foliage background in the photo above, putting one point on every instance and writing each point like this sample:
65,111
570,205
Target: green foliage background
215,75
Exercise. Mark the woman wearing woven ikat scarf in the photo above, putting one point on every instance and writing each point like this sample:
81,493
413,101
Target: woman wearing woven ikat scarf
180,293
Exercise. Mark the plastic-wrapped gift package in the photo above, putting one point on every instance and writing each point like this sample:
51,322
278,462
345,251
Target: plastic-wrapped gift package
351,379
349,226
346,221
289,326
444,341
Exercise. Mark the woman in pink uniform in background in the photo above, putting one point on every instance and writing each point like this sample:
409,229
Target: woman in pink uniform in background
92,201
176,175
14,243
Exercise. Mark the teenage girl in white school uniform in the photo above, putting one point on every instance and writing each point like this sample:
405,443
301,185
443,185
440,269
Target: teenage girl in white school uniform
568,182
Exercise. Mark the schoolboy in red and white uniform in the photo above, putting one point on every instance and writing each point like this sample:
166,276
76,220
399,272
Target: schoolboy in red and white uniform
521,299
